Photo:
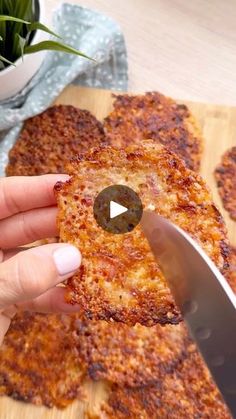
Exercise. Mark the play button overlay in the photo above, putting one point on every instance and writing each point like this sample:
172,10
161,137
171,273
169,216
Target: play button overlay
117,209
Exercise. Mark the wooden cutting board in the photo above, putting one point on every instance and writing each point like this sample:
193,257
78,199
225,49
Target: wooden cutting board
218,124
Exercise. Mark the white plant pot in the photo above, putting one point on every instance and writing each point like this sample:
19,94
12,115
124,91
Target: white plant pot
14,79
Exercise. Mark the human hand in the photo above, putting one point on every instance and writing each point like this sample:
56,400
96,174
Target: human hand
29,278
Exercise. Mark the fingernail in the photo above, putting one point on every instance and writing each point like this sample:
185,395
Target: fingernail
67,259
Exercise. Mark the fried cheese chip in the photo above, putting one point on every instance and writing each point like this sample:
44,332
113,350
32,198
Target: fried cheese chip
225,175
39,362
119,278
157,117
127,355
231,272
48,140
188,391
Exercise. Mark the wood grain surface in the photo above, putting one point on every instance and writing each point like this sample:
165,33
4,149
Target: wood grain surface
187,49
219,130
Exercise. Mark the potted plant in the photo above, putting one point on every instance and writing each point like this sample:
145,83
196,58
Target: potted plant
23,42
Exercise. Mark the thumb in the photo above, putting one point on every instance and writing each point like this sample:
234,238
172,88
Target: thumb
32,272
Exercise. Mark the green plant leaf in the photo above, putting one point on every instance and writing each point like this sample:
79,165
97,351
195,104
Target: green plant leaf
54,46
15,17
4,18
22,10
21,43
5,60
18,21
10,8
3,36
37,25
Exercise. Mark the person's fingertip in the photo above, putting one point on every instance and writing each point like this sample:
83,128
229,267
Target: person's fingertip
67,259
60,177
69,308
63,177
52,301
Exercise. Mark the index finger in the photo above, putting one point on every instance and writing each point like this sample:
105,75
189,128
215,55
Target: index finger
22,193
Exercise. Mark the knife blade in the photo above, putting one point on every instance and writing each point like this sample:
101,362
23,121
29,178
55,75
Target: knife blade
204,297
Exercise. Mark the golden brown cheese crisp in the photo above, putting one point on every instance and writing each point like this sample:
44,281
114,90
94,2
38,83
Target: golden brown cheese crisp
144,367
127,355
157,117
186,392
39,362
231,272
225,175
119,278
48,140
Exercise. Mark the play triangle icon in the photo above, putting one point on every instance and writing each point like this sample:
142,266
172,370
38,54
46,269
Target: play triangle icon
116,209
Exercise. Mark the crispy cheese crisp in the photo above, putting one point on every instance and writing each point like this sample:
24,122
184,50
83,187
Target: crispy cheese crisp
127,355
231,272
144,367
39,362
155,116
225,175
185,390
48,140
119,278
188,391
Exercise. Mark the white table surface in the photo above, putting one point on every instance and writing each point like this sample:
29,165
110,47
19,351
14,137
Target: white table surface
183,48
